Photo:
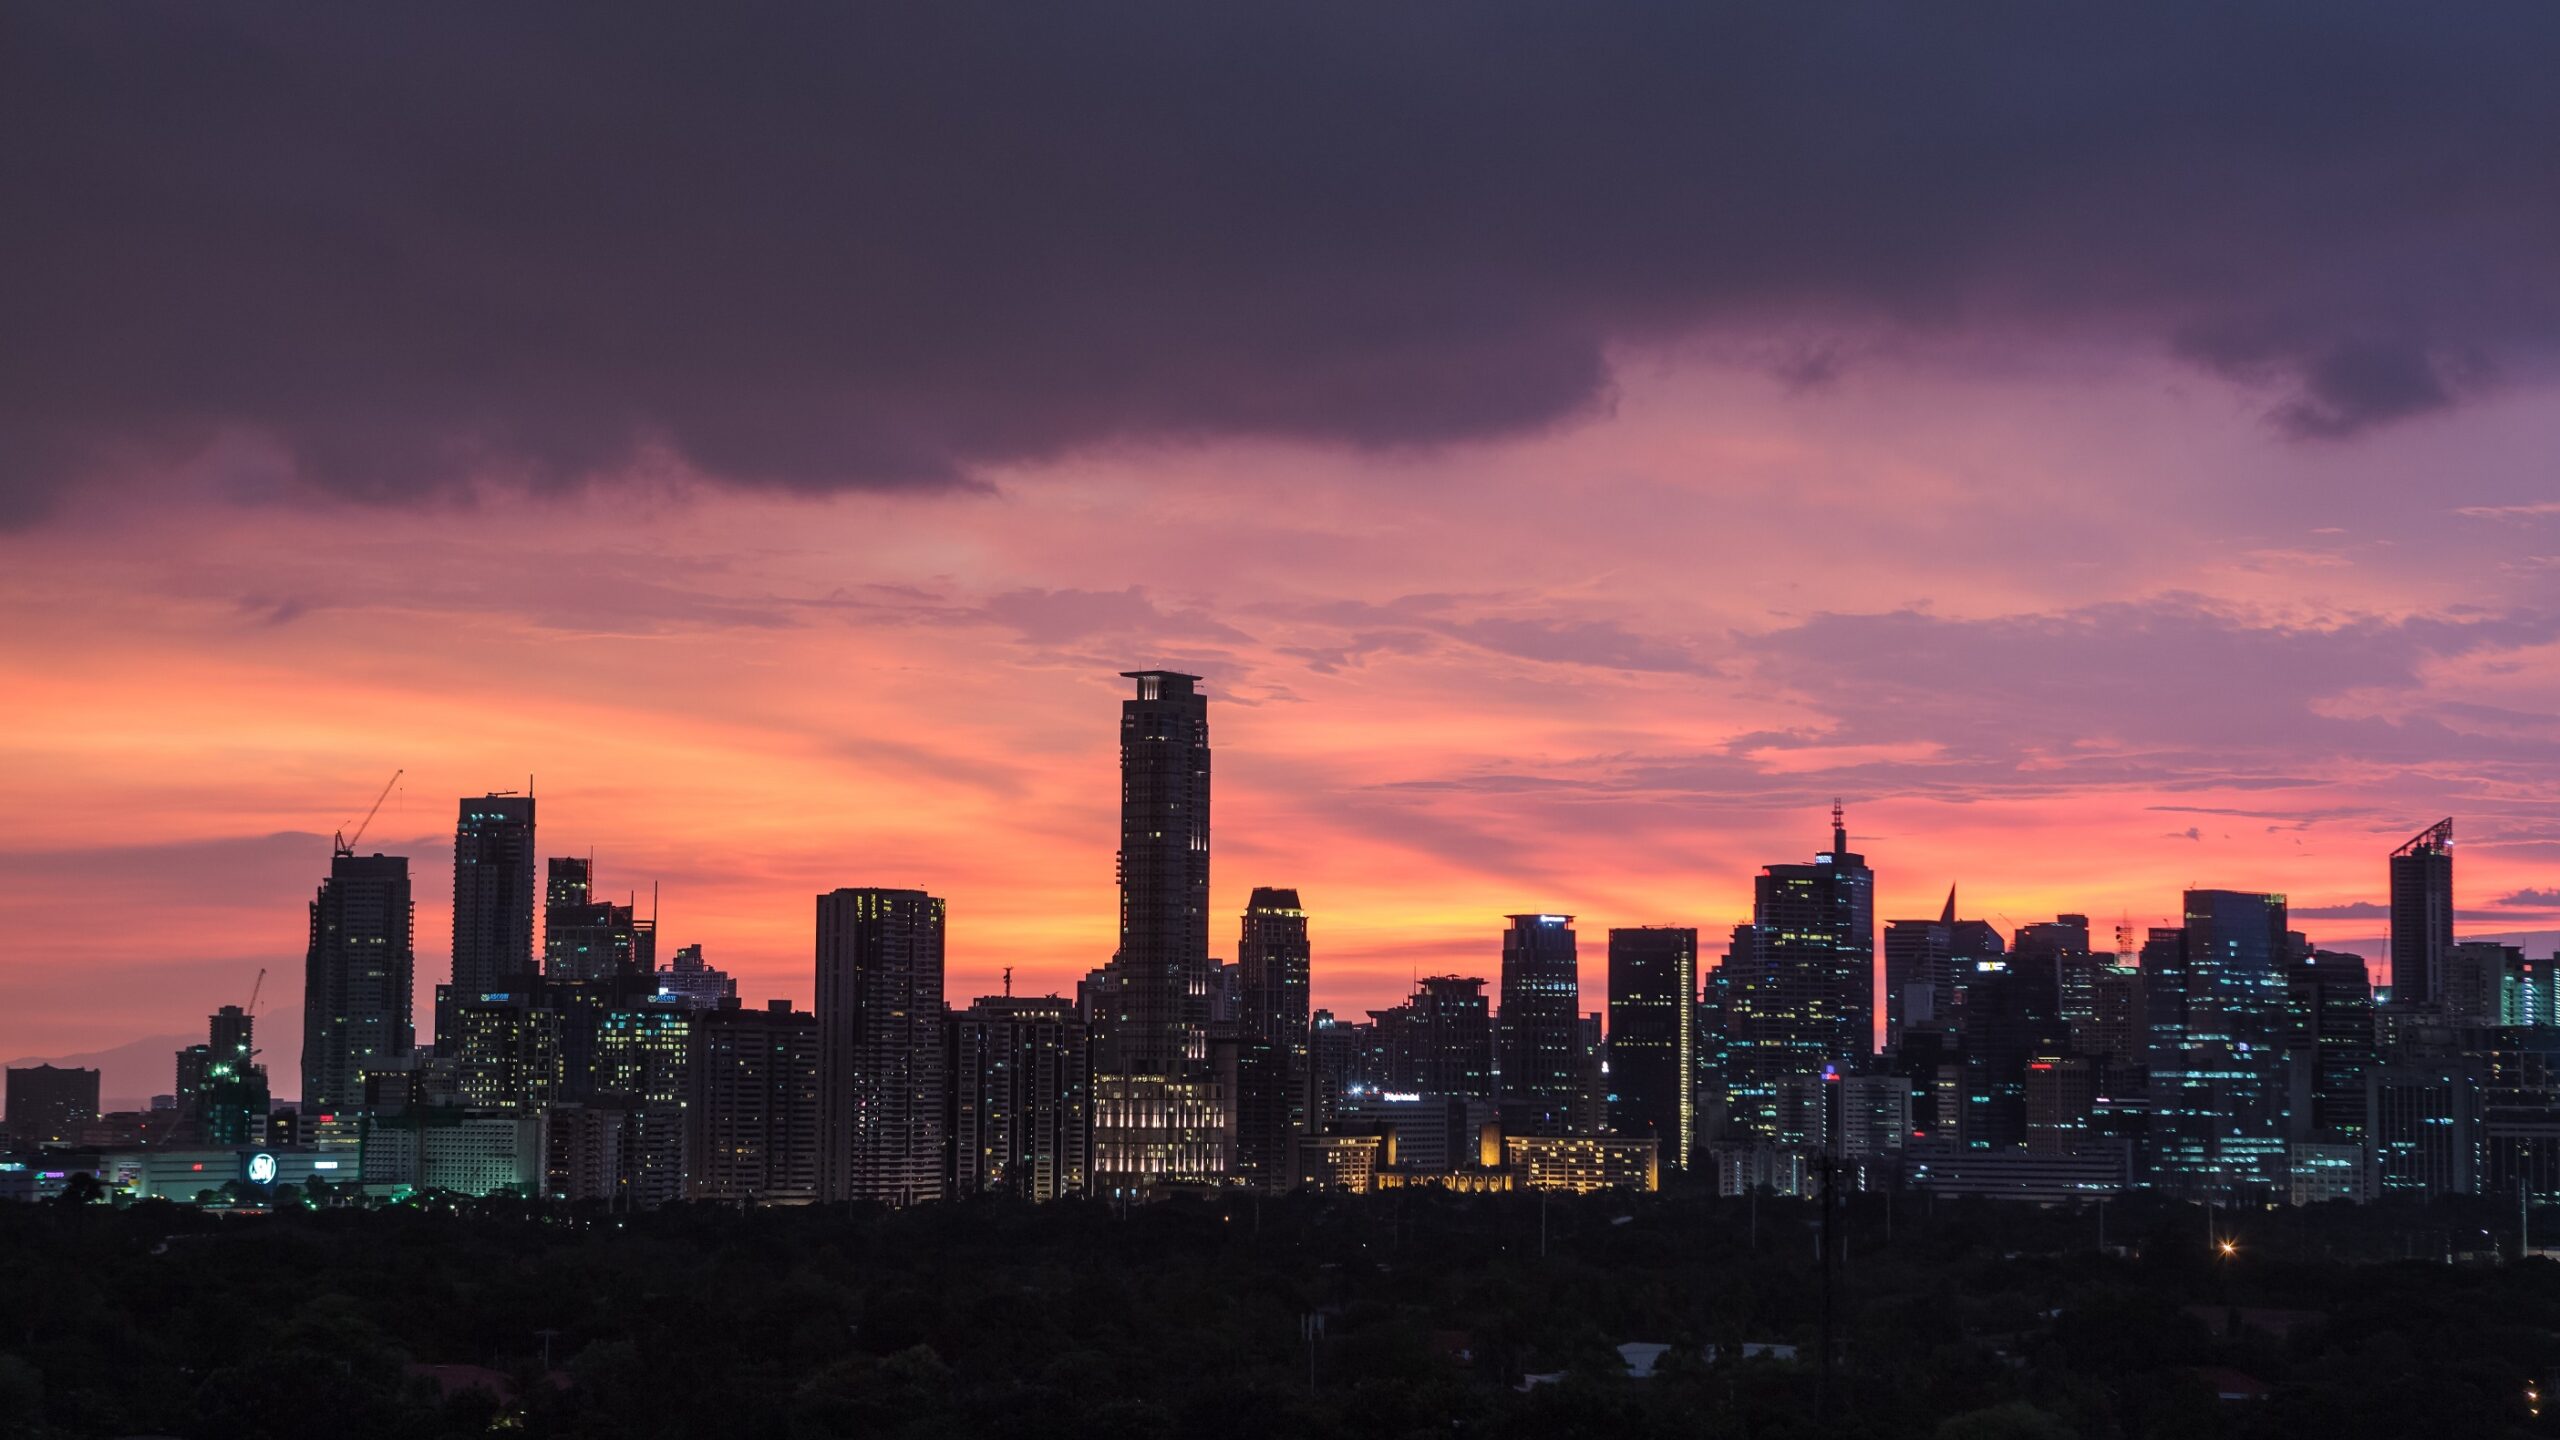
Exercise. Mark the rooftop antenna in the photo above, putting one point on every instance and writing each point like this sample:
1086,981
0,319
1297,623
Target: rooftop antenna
1839,829
345,844
1008,982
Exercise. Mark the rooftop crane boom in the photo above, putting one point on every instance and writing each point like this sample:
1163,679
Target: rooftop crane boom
260,984
344,843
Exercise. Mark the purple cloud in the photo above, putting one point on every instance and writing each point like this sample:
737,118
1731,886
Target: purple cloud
392,252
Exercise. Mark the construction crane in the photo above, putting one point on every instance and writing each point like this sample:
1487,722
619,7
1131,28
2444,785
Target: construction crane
344,843
251,1009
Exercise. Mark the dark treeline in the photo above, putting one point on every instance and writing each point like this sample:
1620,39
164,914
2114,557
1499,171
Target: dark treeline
1964,1322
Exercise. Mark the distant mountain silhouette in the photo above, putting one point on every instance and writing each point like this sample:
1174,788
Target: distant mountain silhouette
128,1075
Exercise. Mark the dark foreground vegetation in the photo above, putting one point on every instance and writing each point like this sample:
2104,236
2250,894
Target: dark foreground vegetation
1972,1322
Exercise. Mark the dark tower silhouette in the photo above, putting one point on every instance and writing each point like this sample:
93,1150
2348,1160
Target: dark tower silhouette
1160,1114
1164,877
1803,993
357,978
1653,1018
2421,915
493,896
1273,1073
880,1045
1539,1030
584,938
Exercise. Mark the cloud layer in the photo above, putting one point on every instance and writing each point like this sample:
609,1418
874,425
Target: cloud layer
395,253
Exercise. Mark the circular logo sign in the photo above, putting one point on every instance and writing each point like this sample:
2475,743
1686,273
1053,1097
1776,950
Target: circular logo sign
262,1169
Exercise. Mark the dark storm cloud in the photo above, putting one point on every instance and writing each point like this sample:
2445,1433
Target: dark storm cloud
818,247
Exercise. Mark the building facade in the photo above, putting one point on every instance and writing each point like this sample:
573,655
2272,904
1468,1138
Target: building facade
1020,1085
754,1116
1802,993
2421,915
1274,1065
1539,1028
494,899
1160,1114
880,1050
1653,1017
358,975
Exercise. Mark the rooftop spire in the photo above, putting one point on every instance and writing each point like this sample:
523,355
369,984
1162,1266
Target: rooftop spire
1839,829
1948,915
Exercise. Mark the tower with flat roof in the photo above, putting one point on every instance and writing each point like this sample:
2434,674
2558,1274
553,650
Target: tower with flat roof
1159,1113
1538,1032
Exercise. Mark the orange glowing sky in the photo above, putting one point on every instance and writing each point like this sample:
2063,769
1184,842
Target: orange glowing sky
2072,642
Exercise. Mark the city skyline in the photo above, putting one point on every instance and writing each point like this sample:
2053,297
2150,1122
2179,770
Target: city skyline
1483,961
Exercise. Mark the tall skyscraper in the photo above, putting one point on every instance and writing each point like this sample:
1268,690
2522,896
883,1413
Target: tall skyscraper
754,1117
1653,1016
2421,915
584,938
2218,1029
1020,1092
1539,1029
493,893
1274,1071
880,1044
357,979
1163,959
1803,993
1160,1114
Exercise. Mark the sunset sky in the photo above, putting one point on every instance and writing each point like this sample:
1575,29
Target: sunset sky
1573,453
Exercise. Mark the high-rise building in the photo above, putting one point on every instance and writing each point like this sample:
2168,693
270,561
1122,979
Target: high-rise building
1020,1090
1274,1067
230,1097
880,1049
357,979
2421,915
584,938
506,1050
693,983
2217,1062
2060,1092
1163,959
2330,1015
1539,1028
2533,993
1802,993
1439,1041
1919,973
2422,1128
1160,1114
2472,982
50,1103
493,896
754,1115
1346,1058
645,1053
1653,1017
2055,956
